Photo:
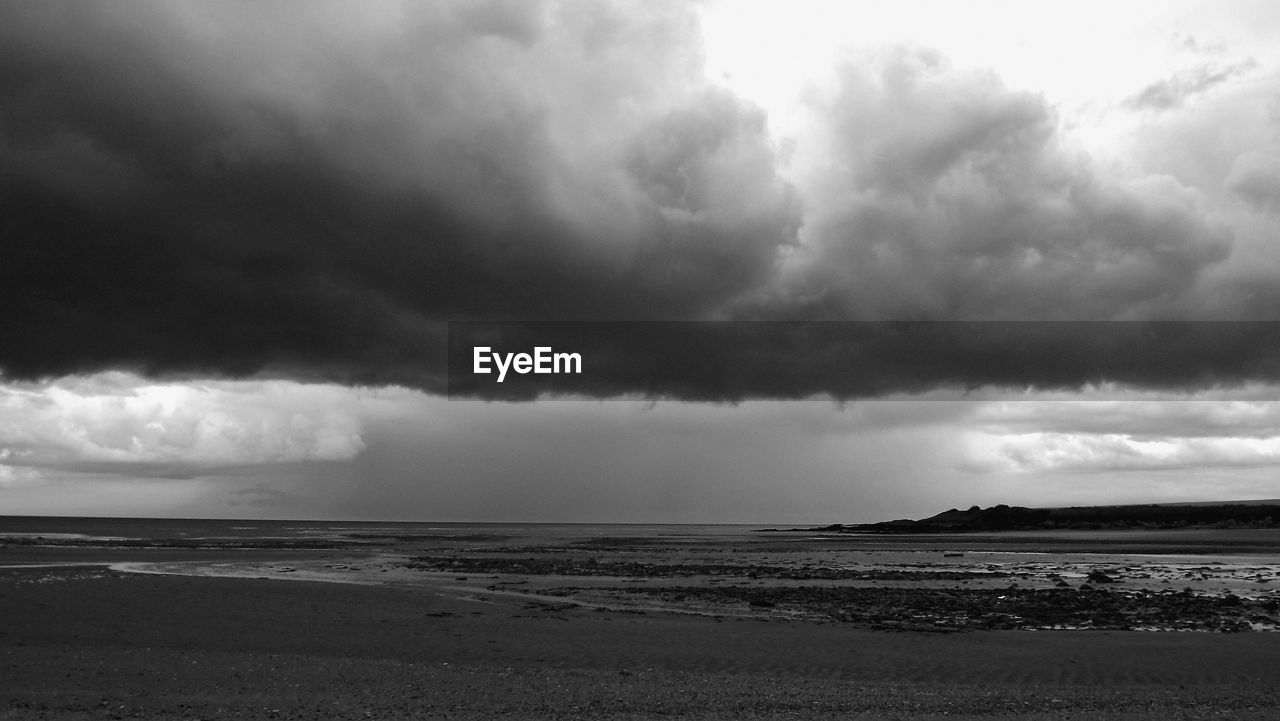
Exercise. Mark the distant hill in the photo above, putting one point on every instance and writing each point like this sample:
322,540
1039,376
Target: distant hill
1224,514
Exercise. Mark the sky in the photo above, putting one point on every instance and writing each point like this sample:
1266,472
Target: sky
234,234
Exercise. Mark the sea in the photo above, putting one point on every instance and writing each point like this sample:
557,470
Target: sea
231,530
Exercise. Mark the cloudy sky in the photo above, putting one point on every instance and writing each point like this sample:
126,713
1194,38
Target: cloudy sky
234,233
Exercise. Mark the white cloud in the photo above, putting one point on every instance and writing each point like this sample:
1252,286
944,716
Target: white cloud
1041,452
1112,432
1136,415
16,476
940,192
118,418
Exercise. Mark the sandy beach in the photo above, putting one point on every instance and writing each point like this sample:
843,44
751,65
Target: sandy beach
97,644
89,642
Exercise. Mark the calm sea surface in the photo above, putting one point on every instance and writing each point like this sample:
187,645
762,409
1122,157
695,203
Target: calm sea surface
159,529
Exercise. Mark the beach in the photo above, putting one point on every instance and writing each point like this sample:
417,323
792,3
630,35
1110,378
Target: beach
228,630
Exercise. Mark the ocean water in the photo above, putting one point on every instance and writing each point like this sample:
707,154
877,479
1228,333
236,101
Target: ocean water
232,530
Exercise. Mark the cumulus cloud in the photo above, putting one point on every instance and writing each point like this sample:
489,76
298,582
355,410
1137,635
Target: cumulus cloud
943,194
114,420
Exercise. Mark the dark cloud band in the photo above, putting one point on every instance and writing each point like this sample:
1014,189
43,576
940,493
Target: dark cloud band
733,361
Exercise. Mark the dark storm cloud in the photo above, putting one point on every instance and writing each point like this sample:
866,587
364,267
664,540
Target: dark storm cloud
223,187
314,189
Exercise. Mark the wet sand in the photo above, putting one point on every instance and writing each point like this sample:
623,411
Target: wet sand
432,626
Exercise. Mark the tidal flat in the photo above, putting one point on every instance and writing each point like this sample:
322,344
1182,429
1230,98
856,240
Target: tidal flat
242,619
